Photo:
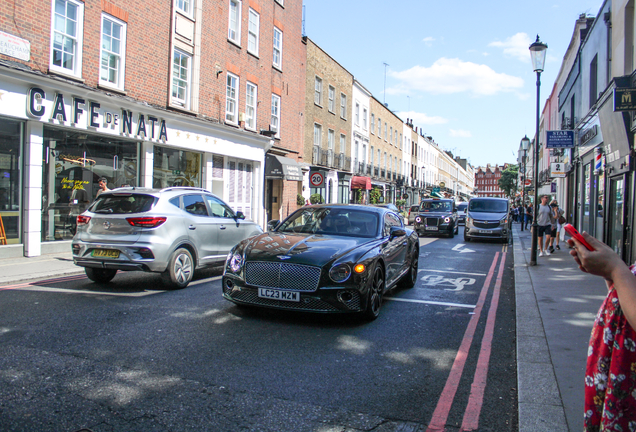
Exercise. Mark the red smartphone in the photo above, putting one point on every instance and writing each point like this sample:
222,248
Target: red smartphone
577,235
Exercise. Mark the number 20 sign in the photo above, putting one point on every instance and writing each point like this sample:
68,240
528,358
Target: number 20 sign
316,179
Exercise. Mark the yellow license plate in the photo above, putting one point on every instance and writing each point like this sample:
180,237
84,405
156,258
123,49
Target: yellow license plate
105,253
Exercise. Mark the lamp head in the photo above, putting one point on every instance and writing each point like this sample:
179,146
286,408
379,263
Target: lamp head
537,53
525,143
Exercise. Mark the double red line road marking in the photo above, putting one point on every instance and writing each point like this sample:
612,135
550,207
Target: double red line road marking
475,401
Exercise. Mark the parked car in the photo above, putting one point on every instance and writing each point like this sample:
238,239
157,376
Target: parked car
171,231
461,213
330,258
488,218
437,216
413,211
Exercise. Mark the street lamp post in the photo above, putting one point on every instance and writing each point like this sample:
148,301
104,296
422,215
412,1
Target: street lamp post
525,144
537,54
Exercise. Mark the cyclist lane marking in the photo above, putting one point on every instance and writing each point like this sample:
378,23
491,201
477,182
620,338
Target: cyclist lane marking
440,415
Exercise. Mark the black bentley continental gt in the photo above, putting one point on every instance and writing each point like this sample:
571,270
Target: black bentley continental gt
324,258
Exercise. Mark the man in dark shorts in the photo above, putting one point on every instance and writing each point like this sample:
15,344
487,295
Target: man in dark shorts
544,225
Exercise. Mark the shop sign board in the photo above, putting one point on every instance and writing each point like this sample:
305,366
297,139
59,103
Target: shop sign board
625,99
557,170
560,139
15,47
82,112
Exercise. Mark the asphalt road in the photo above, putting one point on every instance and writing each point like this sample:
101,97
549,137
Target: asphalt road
130,356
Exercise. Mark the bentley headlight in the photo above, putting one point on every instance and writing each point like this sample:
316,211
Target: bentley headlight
235,262
340,273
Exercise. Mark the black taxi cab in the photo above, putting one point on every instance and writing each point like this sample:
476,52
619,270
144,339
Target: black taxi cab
437,216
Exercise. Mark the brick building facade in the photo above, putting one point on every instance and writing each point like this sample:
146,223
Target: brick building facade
146,95
487,181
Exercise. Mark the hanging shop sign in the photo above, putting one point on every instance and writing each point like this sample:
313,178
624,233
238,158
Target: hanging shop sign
559,139
558,170
89,114
588,134
624,99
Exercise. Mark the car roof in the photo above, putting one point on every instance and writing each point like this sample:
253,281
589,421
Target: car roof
490,199
169,191
371,208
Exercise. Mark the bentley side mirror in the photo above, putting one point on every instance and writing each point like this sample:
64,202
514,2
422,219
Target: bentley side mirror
396,232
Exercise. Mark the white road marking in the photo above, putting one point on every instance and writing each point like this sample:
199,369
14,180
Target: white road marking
459,283
71,291
451,271
430,302
458,247
427,240
199,282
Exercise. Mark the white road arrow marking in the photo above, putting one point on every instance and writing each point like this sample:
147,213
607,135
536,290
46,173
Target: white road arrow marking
458,248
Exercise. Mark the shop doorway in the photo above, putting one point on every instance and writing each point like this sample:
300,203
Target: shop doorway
616,215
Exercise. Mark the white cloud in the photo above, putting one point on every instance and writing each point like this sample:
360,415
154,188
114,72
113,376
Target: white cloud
448,76
428,40
515,46
420,119
458,133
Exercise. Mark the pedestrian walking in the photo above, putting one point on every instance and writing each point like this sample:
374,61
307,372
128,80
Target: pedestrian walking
103,186
544,222
610,377
559,217
554,208
522,215
515,213
528,215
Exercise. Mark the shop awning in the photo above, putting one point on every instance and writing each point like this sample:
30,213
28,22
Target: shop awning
359,182
280,167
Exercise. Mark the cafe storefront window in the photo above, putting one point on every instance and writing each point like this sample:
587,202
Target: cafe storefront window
173,167
72,164
11,139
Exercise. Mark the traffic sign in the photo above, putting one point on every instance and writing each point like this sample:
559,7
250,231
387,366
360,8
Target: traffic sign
528,182
316,179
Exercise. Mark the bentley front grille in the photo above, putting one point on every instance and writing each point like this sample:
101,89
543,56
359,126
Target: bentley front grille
285,276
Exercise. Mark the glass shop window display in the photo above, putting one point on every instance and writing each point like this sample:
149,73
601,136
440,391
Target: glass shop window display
10,181
73,163
173,167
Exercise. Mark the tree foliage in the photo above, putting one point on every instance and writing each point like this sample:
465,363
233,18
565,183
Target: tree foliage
508,180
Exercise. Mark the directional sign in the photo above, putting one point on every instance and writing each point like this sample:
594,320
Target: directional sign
316,179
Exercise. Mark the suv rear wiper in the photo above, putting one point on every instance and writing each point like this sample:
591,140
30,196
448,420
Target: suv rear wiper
108,210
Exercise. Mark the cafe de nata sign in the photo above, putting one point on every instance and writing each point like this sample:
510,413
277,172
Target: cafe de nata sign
89,114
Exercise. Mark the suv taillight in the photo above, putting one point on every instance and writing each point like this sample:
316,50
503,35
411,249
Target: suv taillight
146,222
83,220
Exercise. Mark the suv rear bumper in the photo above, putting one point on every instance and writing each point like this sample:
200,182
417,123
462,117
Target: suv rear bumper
129,256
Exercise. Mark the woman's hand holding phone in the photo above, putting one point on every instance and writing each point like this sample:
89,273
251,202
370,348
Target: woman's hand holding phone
577,235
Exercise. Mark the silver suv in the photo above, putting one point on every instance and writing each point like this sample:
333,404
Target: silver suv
171,231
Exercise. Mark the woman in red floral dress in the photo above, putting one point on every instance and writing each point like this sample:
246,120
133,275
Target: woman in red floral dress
610,375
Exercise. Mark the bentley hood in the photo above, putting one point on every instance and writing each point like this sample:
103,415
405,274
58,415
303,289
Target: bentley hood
308,249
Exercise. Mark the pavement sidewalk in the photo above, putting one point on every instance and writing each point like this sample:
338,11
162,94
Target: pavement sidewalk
14,270
556,307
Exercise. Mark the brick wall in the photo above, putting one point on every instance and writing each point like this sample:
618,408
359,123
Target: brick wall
149,60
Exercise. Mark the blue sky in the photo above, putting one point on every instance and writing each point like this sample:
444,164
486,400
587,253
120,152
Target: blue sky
460,69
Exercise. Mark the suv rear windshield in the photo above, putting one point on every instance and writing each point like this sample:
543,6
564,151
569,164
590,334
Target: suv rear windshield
123,204
488,206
